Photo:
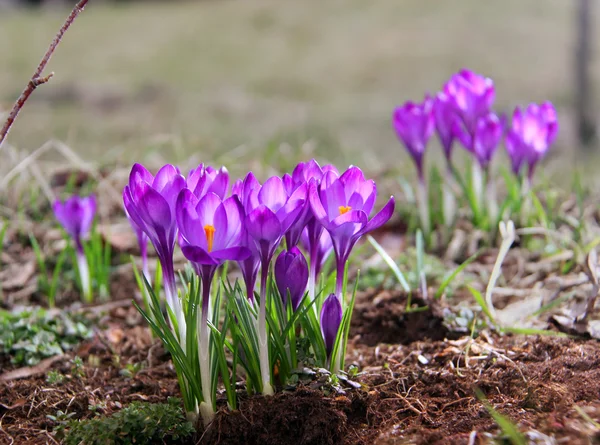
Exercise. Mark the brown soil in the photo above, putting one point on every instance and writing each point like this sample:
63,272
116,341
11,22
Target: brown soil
422,392
383,318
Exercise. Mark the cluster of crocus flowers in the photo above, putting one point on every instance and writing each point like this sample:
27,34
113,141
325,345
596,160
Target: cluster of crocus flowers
315,209
76,216
463,111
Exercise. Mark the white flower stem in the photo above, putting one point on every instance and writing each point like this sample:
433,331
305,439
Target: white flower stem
423,205
477,184
526,205
449,199
492,202
84,276
175,305
206,406
263,339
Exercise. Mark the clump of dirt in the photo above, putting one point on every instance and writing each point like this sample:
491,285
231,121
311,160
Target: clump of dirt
302,417
383,318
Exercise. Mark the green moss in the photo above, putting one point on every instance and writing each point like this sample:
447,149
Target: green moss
139,423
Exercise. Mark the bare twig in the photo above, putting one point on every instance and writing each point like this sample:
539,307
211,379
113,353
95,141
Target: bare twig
38,78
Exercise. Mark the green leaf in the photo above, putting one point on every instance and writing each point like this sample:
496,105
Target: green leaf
390,262
450,277
508,428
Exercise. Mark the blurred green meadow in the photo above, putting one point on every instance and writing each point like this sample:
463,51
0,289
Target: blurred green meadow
231,80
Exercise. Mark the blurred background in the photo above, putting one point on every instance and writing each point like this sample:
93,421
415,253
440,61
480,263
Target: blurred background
242,81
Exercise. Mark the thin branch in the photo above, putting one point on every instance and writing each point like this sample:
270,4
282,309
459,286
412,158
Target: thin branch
38,79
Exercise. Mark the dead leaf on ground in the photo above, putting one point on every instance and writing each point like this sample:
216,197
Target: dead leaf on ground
18,275
30,371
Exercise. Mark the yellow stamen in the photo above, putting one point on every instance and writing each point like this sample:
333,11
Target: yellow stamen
344,209
210,236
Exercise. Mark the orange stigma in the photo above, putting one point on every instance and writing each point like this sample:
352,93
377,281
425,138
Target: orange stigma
210,236
344,209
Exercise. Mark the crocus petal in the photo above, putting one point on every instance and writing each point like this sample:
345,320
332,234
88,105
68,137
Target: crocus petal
140,173
316,205
262,224
232,254
272,194
187,219
331,318
198,255
207,208
380,218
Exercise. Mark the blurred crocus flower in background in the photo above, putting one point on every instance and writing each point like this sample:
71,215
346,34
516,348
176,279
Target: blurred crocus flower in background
150,203
291,276
472,96
444,115
331,318
488,134
414,125
76,215
530,136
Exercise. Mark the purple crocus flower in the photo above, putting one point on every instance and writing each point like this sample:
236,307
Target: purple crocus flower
76,215
331,318
270,212
304,173
414,125
291,276
322,248
343,205
210,233
444,116
150,202
206,179
487,136
531,134
472,96
249,267
142,239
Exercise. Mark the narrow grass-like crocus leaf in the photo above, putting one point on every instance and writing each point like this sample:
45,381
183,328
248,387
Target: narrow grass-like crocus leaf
390,262
508,428
452,275
481,302
532,331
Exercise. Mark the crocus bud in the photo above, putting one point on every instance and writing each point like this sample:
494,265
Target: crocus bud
331,318
291,276
76,215
444,115
414,125
487,136
531,134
